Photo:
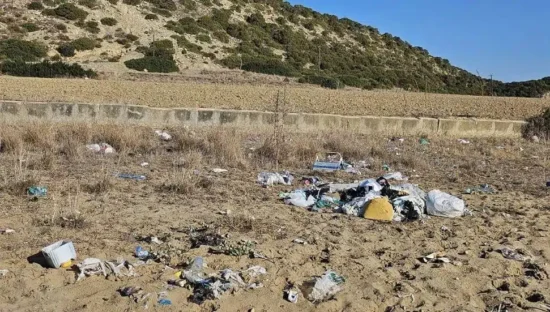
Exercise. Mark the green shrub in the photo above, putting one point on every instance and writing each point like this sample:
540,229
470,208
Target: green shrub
35,5
113,2
221,36
162,12
49,12
21,50
61,27
153,64
92,4
186,25
66,50
151,16
131,2
83,44
108,21
266,66
189,5
169,5
204,38
16,29
207,3
188,45
209,55
90,26
45,69
56,58
132,37
30,27
326,82
70,12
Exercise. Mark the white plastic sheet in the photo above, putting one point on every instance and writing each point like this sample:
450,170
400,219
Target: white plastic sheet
441,204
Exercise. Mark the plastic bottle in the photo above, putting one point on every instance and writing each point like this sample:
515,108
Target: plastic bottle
194,273
141,253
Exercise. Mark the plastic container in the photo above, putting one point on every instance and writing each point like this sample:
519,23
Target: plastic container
59,253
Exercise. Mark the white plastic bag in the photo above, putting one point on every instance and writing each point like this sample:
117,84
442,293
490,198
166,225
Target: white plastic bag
326,287
298,199
165,136
441,204
371,184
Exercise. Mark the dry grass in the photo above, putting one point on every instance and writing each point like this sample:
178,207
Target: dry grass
306,99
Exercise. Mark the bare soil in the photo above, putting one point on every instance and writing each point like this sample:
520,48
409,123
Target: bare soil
103,214
244,93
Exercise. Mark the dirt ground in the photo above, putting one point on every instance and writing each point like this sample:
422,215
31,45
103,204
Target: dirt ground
170,91
103,215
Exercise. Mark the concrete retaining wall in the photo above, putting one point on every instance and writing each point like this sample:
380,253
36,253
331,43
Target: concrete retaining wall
12,111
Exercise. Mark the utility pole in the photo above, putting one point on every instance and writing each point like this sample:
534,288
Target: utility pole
491,83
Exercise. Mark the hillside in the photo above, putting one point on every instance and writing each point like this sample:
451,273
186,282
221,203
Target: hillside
265,36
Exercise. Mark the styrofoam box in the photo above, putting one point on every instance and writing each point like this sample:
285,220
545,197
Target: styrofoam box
59,252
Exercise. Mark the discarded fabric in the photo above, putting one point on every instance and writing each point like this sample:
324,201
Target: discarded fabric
272,178
408,208
444,205
379,209
219,170
101,148
462,141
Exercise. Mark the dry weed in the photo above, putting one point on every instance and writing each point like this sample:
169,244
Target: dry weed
185,182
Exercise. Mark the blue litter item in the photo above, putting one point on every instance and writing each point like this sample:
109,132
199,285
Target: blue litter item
141,253
165,302
328,162
131,176
38,191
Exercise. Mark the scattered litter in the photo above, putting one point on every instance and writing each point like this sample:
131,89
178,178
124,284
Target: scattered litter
59,253
133,292
386,167
144,164
164,302
324,287
291,296
436,257
219,170
535,139
511,254
398,176
299,241
463,141
155,240
7,231
213,286
444,205
101,148
272,178
483,188
131,176
179,283
225,213
424,141
310,180
332,162
37,191
4,272
141,253
94,266
206,238
165,136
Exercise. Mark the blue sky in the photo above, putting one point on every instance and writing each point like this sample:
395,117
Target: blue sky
509,39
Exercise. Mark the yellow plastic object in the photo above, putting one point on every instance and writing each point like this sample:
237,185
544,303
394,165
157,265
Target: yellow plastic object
379,209
67,264
178,274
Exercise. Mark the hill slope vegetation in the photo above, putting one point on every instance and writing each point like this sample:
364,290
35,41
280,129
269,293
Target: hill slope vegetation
265,36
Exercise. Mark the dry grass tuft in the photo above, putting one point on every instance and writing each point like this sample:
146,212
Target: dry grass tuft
104,185
69,221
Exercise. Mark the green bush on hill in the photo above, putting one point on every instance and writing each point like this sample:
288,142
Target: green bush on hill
108,21
45,69
21,50
35,5
83,44
30,27
67,50
158,58
70,11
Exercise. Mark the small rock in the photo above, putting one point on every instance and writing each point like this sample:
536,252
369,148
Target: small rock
535,139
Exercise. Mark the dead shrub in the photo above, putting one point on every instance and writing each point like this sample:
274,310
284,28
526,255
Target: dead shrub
225,147
70,220
39,136
185,182
45,162
10,140
347,144
19,188
104,185
125,139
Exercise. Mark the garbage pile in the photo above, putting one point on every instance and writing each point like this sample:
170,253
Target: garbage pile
377,199
215,285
